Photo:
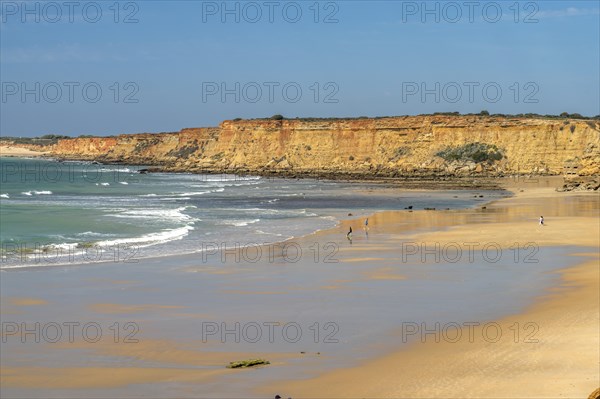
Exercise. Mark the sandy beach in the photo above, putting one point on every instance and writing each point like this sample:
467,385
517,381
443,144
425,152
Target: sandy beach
300,200
9,151
559,359
543,344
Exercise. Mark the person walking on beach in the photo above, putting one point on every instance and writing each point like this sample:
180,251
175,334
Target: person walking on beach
541,220
366,223
349,234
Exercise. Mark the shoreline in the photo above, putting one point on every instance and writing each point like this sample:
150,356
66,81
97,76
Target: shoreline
343,222
417,226
36,264
459,369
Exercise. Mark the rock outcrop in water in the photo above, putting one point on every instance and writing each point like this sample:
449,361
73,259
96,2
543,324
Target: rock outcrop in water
432,145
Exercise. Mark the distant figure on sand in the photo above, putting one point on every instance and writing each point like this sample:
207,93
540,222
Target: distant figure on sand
366,223
349,234
541,220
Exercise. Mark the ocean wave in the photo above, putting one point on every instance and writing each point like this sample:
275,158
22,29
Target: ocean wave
152,238
267,233
271,201
94,234
34,192
192,193
238,222
267,211
123,170
218,190
4,196
174,198
219,178
123,182
155,213
70,249
294,195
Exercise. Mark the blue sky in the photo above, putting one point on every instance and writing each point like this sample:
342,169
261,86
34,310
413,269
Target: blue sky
169,66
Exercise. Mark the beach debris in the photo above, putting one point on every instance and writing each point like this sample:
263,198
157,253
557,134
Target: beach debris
409,207
484,207
429,209
247,363
349,214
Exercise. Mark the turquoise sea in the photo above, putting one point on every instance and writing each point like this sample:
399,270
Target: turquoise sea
77,212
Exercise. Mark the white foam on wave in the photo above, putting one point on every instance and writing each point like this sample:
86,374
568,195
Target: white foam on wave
123,182
289,212
219,178
74,248
233,183
34,192
93,234
156,213
293,195
238,222
4,196
267,233
174,199
123,170
152,238
193,193
218,190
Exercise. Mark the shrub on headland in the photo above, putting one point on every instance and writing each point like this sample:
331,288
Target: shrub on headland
476,152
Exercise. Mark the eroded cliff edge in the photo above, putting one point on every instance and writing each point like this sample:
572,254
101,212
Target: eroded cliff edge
393,147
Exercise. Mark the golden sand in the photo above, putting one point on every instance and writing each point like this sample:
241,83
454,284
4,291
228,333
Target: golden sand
9,151
565,321
564,362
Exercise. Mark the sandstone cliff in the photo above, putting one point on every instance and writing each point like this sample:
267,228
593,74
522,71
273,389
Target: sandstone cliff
396,146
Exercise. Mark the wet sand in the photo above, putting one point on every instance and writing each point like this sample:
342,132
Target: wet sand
167,299
550,350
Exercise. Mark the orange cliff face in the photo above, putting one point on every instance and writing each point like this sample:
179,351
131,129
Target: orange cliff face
385,146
